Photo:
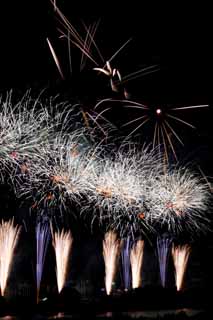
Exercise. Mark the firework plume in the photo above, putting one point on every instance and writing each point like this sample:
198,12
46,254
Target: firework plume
180,256
9,235
136,259
42,241
111,250
62,243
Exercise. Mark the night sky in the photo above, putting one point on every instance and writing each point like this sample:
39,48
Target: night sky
178,40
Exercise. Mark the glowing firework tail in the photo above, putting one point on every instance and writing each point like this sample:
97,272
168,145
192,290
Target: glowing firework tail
163,248
136,259
125,258
9,235
180,256
42,241
111,250
62,243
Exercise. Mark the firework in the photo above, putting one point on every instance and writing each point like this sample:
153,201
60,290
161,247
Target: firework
111,250
62,175
164,122
163,248
136,259
180,201
9,235
62,243
121,188
125,258
84,40
180,256
23,127
42,241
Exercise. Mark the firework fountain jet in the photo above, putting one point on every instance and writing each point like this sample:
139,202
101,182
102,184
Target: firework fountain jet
163,248
42,240
9,235
180,256
136,259
111,250
125,258
62,243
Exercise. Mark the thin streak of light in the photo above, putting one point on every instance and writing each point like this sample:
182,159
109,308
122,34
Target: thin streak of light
55,58
138,127
182,121
139,73
69,52
164,143
191,107
94,43
132,121
173,131
170,141
116,53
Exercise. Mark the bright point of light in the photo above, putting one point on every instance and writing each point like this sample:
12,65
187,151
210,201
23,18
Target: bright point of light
158,111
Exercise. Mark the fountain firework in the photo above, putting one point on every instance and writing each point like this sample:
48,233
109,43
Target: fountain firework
62,243
9,235
136,259
163,247
42,241
180,256
125,258
111,250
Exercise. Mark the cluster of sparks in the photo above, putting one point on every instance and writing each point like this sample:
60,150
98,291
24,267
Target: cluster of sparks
136,259
111,250
62,242
130,190
9,235
180,256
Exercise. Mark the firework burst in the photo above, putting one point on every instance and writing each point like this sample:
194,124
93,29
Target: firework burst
63,174
111,250
180,200
180,256
121,188
164,121
9,235
62,243
160,123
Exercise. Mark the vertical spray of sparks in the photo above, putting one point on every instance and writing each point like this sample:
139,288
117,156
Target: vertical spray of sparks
111,250
62,243
136,259
125,258
9,235
163,248
180,256
42,241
